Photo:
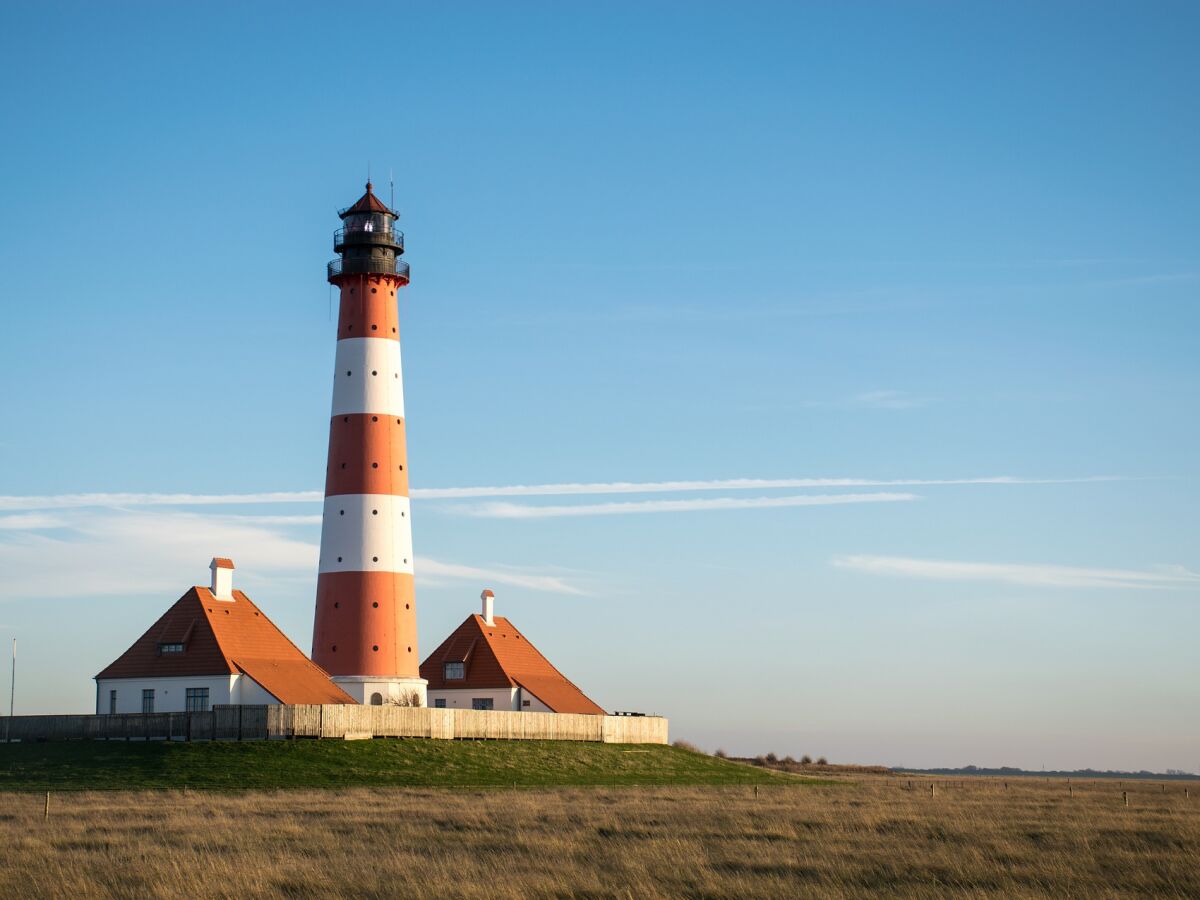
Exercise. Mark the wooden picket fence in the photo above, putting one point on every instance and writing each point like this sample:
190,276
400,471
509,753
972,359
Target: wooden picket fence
257,723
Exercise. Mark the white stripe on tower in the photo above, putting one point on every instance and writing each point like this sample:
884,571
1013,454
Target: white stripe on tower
367,377
366,533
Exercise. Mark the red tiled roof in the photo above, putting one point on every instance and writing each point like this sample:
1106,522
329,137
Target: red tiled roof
499,656
222,637
368,202
221,562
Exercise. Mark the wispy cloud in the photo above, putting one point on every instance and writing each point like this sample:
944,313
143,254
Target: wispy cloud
115,552
890,400
78,501
13,503
873,400
29,522
727,484
521,511
432,570
1030,574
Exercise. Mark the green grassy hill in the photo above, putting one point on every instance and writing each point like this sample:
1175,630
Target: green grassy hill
113,765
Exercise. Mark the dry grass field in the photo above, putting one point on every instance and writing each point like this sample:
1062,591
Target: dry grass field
857,838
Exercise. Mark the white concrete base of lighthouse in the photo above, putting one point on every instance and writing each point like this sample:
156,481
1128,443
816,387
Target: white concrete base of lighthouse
377,690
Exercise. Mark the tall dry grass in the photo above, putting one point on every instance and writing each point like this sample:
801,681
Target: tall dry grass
852,839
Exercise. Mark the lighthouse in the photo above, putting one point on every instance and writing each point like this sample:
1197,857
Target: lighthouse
365,628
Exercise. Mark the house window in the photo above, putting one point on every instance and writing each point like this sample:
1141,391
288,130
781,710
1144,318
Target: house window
453,671
524,702
112,703
377,699
481,703
439,703
148,700
197,699
169,648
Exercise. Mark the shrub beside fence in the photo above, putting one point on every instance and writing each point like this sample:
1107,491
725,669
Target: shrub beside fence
258,723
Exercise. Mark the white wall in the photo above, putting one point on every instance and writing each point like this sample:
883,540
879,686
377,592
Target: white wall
460,698
361,687
248,691
535,705
170,694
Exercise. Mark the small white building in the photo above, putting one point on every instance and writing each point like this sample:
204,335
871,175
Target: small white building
486,663
213,646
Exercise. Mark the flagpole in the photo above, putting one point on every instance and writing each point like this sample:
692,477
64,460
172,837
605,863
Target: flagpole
12,693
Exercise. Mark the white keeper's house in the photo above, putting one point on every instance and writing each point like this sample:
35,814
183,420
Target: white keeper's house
213,646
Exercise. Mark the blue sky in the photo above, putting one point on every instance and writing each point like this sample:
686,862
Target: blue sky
909,245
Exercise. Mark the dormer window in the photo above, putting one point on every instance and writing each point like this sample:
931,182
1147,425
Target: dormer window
454,671
165,649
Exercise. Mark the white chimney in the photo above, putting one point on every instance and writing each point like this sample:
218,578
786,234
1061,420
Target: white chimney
489,600
222,578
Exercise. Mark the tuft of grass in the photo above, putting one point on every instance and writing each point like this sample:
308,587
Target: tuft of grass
124,765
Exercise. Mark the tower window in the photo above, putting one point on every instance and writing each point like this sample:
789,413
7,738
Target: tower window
375,647
377,699
375,605
454,671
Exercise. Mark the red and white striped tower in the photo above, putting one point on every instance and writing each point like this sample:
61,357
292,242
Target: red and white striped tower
365,630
